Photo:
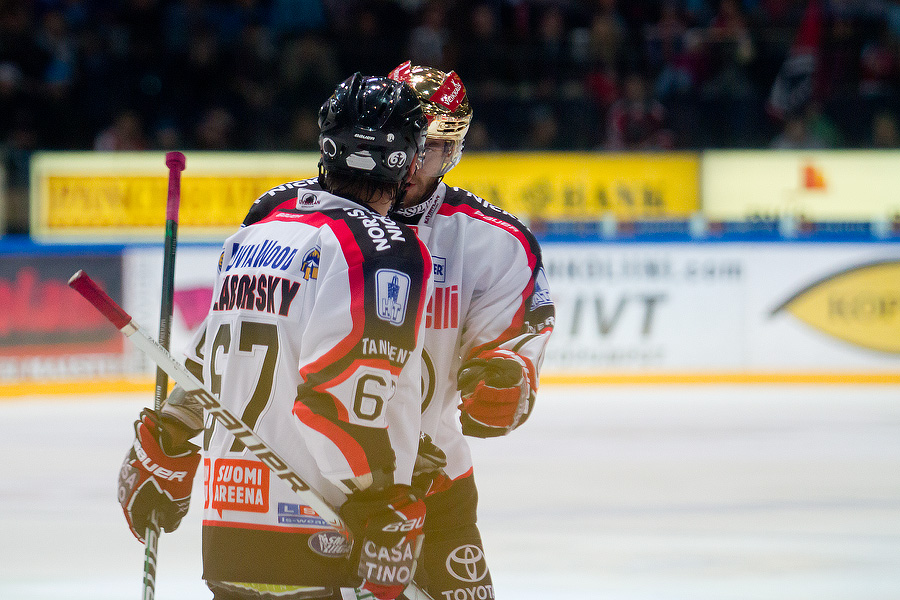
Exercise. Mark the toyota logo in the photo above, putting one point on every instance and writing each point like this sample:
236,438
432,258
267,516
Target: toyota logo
466,563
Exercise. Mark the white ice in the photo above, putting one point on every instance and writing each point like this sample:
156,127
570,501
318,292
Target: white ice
627,493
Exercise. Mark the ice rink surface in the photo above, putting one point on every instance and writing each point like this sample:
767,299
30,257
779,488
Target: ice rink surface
659,492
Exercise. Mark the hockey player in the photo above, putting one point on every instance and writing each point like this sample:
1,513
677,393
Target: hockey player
314,338
486,331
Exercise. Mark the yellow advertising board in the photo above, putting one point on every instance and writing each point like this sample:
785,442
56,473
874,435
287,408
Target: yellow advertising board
78,197
859,305
584,186
818,185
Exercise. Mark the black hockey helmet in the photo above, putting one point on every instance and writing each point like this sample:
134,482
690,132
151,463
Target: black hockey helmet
372,126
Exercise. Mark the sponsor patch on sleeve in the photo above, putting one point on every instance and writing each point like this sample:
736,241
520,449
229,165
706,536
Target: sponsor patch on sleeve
541,295
391,295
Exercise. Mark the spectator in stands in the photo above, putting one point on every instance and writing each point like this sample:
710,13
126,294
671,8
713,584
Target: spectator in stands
429,40
479,139
303,134
543,131
822,127
552,69
167,135
636,122
254,79
125,134
707,63
607,42
729,92
371,41
665,39
297,17
217,130
837,81
307,69
13,98
878,66
796,135
482,56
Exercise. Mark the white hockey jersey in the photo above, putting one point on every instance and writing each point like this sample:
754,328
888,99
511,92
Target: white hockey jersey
490,292
314,338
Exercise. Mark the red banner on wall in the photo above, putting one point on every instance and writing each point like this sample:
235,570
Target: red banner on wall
42,315
46,329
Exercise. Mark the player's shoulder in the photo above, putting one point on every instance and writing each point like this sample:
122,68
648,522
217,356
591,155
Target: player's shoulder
376,234
292,194
463,203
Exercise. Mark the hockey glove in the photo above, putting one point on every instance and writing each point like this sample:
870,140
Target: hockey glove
430,463
154,478
387,530
497,388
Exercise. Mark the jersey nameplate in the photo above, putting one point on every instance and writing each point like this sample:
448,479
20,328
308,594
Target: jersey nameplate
267,254
264,293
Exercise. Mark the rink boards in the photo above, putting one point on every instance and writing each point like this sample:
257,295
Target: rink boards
687,312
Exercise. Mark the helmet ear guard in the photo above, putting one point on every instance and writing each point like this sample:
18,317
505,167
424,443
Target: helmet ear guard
446,105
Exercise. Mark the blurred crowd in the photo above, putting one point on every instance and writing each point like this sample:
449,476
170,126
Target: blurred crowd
614,75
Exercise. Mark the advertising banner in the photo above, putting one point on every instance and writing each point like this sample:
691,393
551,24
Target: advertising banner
121,197
673,311
626,308
195,275
47,331
832,308
740,310
584,186
820,186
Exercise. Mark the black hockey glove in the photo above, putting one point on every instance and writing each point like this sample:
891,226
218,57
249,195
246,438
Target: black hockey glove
430,463
156,477
387,530
497,388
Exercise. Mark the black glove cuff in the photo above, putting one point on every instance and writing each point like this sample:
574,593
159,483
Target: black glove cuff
473,428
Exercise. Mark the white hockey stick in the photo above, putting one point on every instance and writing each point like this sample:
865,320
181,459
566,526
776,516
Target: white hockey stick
116,315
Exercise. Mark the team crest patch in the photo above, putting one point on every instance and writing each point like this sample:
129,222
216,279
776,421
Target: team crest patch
391,295
329,544
306,200
541,296
310,266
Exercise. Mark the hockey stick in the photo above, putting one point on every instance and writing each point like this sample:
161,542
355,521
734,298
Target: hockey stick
116,315
175,161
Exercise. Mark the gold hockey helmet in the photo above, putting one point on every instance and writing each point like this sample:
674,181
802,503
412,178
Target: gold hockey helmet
446,106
